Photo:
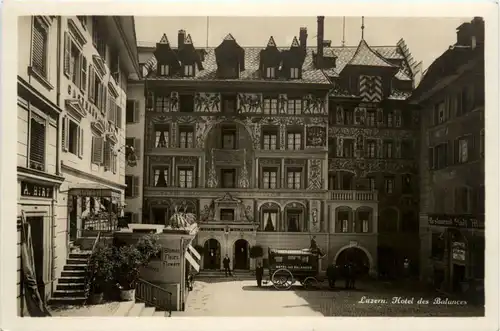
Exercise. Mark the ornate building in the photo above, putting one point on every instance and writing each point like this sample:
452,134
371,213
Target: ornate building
242,137
452,165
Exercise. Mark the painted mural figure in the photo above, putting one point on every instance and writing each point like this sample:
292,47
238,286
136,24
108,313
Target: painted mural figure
214,102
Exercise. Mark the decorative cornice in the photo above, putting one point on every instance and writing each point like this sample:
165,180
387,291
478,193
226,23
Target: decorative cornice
99,64
76,33
112,137
75,107
98,127
39,176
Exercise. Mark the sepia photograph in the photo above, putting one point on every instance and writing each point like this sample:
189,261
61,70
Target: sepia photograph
227,166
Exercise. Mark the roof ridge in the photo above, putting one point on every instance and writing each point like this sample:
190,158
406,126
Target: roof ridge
359,49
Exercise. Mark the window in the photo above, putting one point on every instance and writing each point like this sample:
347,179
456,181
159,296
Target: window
97,150
347,181
388,149
271,72
98,37
186,137
343,220
371,146
161,136
270,106
390,119
164,70
132,189
364,219
348,148
189,70
294,106
406,184
270,178
294,140
83,21
160,176
463,150
37,143
481,143
109,156
348,117
370,118
228,138
294,178
132,111
372,184
269,218
270,139
73,136
185,176
293,220
162,104
345,226
97,91
114,65
229,104
407,149
389,185
75,65
39,48
441,156
439,113
228,177
397,118
186,103
294,73
227,214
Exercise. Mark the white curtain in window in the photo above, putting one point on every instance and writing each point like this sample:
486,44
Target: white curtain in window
157,176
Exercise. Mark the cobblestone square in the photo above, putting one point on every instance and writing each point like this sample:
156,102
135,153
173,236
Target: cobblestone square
221,297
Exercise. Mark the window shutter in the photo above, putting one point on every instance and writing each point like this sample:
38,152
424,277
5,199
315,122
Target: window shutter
83,78
430,157
67,54
107,155
104,100
91,83
137,148
65,133
135,190
136,111
80,142
119,117
97,150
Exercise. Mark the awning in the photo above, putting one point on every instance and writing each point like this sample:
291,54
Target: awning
95,190
194,251
191,261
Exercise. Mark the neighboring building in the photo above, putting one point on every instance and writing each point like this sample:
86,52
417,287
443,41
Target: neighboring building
451,98
72,93
240,136
38,148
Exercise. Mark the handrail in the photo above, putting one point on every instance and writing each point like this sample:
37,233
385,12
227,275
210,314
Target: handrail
153,295
88,271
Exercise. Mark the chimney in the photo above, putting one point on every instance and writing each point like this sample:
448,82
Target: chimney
180,39
321,35
303,38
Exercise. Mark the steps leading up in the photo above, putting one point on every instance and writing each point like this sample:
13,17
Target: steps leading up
71,285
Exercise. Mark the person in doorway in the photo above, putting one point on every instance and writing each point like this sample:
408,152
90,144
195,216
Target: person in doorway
259,272
406,267
226,262
314,247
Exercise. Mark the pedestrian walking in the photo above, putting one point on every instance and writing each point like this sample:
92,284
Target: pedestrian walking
226,262
259,272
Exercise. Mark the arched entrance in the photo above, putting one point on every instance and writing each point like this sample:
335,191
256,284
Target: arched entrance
211,254
354,255
241,254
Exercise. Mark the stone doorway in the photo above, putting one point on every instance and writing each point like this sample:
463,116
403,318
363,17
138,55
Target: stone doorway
211,252
241,254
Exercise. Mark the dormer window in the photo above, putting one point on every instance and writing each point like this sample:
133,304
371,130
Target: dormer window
189,70
164,70
271,72
294,73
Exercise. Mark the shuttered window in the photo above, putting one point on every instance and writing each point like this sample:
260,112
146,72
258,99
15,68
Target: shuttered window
39,48
107,155
97,150
118,117
37,144
83,82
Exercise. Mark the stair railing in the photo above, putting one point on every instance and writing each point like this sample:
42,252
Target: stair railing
89,272
153,295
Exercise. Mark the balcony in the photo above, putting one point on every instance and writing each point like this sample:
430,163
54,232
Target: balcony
351,195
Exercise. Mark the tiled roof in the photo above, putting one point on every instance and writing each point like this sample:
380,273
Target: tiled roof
357,55
365,56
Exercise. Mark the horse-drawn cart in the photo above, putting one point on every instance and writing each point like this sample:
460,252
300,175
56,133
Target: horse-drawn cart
286,266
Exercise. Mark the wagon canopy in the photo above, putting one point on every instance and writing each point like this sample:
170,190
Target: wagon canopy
294,252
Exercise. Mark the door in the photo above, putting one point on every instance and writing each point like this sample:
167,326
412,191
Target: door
36,225
241,254
211,254
458,277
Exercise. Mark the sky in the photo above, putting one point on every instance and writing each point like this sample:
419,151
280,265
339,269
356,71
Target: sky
426,38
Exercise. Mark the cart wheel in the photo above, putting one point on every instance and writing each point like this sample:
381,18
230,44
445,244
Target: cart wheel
282,279
310,283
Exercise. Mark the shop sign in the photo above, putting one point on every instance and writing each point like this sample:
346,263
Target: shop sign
212,229
36,190
456,221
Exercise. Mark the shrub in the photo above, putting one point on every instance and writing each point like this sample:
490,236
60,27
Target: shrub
100,269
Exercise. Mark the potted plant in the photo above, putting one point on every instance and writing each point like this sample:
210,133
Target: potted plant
129,259
99,273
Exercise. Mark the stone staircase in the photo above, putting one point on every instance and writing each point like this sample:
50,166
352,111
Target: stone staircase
70,286
138,309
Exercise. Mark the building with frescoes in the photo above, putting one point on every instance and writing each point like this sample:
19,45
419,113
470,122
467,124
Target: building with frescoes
72,82
246,138
452,165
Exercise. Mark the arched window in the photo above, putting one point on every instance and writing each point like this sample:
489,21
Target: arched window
363,221
294,217
343,220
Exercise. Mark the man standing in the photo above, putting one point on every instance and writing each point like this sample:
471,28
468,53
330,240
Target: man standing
226,262
259,272
331,273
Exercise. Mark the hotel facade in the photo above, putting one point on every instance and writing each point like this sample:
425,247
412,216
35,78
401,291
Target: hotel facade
273,146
